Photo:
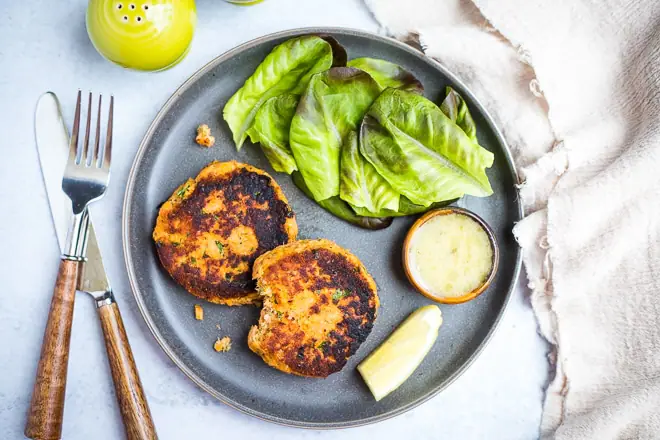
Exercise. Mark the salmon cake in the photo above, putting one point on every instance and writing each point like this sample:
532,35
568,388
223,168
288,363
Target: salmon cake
211,230
319,305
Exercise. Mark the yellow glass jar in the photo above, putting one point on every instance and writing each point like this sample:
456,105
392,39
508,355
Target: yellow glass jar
244,2
142,34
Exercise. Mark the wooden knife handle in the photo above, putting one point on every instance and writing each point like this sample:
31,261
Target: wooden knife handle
130,395
47,407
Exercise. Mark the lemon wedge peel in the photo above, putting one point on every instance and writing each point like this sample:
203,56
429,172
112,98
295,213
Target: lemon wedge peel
395,360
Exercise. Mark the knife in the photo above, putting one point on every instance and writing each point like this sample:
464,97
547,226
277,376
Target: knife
53,145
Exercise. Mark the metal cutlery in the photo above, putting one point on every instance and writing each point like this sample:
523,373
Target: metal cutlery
132,401
84,177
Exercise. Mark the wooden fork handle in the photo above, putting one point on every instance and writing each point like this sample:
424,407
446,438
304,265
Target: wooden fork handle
130,394
47,406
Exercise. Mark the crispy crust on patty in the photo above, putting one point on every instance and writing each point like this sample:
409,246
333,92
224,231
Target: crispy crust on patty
320,304
210,231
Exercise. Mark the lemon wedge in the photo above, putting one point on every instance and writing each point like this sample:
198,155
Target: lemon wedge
387,367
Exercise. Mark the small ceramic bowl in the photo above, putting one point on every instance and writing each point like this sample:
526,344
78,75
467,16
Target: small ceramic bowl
415,281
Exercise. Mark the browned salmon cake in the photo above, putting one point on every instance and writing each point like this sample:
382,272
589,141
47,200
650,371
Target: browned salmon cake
319,305
210,231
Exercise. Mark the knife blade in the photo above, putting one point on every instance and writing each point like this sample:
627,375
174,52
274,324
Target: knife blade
94,280
53,151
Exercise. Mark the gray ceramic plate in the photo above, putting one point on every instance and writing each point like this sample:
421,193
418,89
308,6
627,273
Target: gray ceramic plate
168,155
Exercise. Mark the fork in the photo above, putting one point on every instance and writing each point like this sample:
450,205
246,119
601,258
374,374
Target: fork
85,180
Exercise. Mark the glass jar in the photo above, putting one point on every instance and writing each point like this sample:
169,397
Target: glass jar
142,34
244,2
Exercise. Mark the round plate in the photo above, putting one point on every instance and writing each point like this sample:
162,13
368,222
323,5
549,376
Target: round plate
168,156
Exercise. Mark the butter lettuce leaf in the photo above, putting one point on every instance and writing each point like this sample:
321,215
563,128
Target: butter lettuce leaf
456,109
420,151
339,55
271,129
339,208
360,184
287,69
406,207
388,74
332,106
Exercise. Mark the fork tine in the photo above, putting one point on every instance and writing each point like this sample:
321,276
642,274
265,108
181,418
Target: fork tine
97,159
108,138
85,146
73,142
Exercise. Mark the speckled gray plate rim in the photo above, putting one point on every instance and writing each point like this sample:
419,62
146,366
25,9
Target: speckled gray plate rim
503,212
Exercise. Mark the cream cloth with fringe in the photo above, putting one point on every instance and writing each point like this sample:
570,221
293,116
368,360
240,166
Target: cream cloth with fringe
575,87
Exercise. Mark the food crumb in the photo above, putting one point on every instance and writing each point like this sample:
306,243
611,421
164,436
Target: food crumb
199,312
222,344
217,326
204,137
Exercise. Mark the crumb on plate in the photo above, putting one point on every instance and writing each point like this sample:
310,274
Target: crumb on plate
199,312
222,344
204,137
217,326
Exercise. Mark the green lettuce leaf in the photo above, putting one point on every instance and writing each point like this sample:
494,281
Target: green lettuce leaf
339,55
406,207
388,74
271,129
331,107
420,151
360,184
287,69
457,110
339,208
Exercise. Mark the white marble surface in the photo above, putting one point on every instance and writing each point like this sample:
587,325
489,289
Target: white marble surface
44,46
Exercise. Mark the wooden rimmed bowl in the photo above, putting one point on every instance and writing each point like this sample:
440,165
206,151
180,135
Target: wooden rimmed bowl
415,280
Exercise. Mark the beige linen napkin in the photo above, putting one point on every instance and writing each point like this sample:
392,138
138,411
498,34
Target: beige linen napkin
575,87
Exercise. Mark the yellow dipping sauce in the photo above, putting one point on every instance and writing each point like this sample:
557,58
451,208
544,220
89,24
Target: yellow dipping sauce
450,255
